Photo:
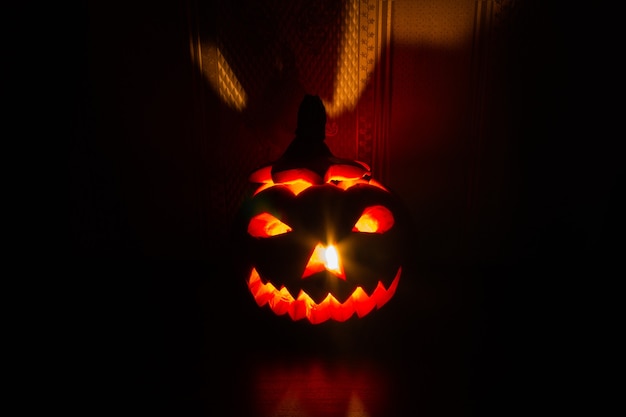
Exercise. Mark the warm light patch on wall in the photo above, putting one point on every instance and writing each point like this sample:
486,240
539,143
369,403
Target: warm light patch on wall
360,50
440,23
359,53
443,23
347,88
225,82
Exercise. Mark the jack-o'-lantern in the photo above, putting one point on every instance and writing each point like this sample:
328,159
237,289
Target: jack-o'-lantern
324,240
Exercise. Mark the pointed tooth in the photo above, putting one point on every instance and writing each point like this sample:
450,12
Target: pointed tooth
264,294
380,295
320,312
363,304
342,311
281,301
300,307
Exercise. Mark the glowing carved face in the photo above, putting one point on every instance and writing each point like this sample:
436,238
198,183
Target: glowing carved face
322,249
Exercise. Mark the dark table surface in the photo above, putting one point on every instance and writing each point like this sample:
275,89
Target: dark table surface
182,339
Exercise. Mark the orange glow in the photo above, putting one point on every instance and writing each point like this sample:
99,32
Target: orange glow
266,225
440,23
344,172
377,184
366,29
375,219
355,65
358,388
262,175
225,83
359,55
342,176
297,180
324,258
303,307
331,259
296,176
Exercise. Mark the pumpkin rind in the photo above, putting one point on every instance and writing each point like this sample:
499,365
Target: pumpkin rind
286,222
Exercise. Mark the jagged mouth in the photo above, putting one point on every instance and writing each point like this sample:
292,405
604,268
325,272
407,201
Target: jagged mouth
302,306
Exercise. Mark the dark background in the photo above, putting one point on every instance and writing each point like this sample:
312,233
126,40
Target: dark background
165,329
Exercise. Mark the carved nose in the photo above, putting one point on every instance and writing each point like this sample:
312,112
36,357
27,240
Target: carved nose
324,258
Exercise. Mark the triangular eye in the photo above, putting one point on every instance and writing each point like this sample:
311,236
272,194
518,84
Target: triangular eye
266,225
375,219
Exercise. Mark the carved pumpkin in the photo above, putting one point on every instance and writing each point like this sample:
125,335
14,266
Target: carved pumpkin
324,240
